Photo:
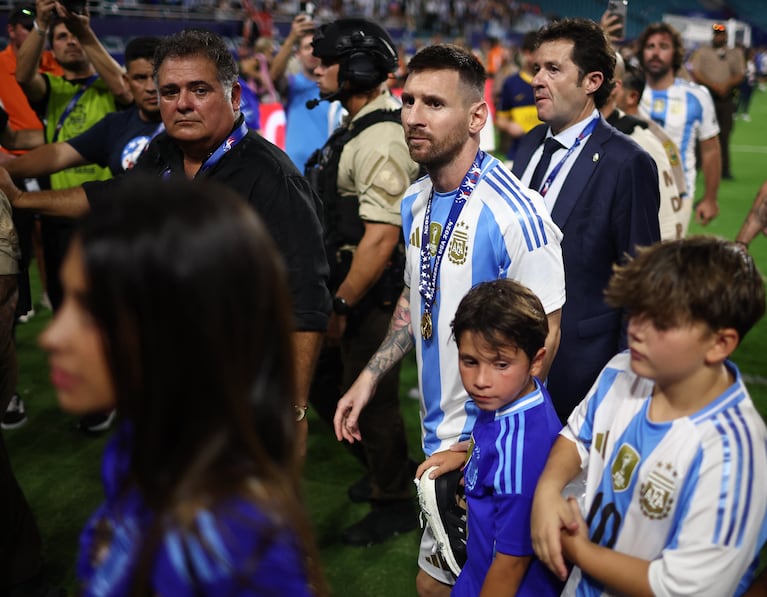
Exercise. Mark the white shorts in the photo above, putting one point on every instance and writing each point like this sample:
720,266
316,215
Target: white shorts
431,561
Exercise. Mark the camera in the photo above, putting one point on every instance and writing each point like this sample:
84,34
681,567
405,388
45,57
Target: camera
75,6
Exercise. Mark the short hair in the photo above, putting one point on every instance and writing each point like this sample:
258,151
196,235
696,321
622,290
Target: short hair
141,48
592,51
198,42
55,21
471,73
529,41
676,40
504,313
633,79
696,279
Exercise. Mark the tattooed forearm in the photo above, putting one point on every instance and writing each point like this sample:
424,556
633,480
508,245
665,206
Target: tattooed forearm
756,220
398,341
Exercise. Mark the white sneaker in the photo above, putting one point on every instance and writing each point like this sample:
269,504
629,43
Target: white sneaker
446,519
15,415
26,317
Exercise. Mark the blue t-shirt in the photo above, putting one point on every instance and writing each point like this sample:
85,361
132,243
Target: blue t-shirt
510,448
305,129
117,140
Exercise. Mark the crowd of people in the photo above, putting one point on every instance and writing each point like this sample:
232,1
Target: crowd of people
583,426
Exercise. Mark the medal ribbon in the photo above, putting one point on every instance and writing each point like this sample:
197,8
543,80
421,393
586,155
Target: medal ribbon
587,130
427,283
71,105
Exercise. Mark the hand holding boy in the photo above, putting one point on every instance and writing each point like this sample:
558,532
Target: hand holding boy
551,518
574,538
551,515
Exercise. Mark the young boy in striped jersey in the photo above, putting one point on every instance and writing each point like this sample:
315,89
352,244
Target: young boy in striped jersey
500,328
673,451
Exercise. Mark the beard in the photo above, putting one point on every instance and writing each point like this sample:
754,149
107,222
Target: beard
74,65
438,152
656,69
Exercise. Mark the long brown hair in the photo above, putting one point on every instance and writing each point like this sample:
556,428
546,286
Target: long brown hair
190,294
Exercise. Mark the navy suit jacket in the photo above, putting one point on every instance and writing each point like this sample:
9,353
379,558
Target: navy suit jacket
607,206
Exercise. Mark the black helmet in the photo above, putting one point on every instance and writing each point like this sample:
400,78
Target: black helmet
364,51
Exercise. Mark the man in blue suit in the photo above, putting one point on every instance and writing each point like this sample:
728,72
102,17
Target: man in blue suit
600,187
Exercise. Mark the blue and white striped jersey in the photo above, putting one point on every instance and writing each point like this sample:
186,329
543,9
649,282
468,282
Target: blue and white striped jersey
686,112
504,230
689,495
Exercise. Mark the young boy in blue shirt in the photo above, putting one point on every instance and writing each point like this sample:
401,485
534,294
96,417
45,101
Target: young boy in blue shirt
673,451
500,328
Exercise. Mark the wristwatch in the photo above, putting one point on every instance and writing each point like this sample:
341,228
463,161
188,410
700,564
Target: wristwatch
300,412
340,306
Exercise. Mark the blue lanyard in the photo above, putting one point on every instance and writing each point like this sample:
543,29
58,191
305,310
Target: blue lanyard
214,158
71,105
233,139
587,130
427,284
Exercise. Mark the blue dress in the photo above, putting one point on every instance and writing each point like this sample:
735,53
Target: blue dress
234,549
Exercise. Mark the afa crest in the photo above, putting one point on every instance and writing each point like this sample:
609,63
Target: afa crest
624,466
673,156
458,251
656,495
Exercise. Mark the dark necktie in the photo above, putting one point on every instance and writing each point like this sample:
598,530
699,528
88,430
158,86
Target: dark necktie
549,147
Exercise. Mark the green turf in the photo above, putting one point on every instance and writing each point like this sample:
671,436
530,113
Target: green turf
59,469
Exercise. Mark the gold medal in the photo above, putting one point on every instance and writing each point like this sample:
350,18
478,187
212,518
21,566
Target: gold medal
426,325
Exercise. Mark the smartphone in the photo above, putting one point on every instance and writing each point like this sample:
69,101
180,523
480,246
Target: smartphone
307,8
619,8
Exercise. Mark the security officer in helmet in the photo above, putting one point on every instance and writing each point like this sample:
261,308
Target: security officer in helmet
361,174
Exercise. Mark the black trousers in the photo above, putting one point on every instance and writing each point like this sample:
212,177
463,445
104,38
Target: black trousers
384,444
725,111
20,544
57,233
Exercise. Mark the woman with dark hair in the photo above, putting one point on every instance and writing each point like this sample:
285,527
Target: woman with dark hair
177,313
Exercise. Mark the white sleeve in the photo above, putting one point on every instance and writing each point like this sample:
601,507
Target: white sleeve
709,126
721,530
540,269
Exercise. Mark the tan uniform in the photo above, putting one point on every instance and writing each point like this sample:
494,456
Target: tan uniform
10,252
718,64
375,166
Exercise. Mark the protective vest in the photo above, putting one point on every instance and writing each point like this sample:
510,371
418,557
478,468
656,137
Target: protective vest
343,225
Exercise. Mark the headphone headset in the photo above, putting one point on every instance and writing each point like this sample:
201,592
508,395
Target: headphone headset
366,60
